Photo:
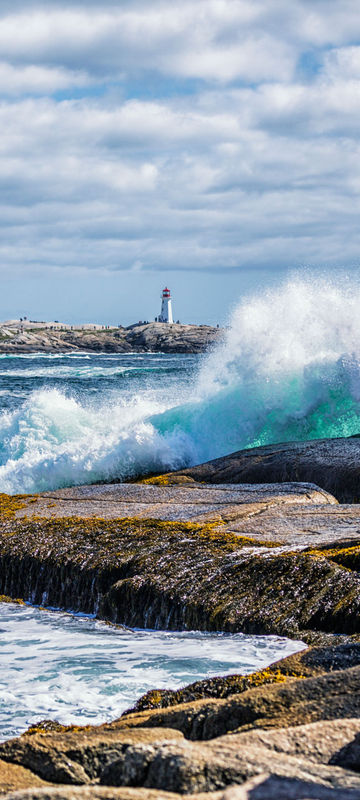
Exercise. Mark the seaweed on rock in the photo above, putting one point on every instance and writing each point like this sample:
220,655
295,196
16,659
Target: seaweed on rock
176,575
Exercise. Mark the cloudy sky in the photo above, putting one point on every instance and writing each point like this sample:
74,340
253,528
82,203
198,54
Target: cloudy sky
208,144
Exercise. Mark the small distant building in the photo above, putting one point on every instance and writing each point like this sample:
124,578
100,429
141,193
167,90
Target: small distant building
166,309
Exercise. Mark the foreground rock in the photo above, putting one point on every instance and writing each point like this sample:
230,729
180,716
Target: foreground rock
279,697
150,337
296,738
14,776
263,787
333,464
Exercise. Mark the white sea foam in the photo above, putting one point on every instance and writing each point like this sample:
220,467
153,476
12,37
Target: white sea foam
77,670
47,356
88,371
53,440
289,368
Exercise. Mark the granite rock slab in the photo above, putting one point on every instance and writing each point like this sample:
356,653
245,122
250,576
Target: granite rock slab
333,464
191,502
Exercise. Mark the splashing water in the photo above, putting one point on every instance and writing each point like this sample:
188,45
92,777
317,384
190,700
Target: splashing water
289,368
54,440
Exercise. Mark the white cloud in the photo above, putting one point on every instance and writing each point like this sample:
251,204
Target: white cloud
343,63
257,164
209,39
328,22
31,79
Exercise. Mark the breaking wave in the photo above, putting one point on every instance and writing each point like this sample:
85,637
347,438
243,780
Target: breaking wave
53,440
289,368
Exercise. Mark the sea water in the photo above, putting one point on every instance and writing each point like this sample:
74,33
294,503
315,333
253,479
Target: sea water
77,670
288,368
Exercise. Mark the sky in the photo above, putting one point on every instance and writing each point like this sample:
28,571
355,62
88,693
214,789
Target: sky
208,145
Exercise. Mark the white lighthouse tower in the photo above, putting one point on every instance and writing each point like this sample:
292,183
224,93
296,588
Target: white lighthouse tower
166,310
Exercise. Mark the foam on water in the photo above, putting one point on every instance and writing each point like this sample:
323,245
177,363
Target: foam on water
54,440
77,670
78,354
88,371
289,368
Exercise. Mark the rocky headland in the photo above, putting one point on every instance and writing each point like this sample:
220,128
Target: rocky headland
211,549
150,337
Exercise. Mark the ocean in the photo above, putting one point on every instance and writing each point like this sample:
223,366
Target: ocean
288,368
81,418
77,670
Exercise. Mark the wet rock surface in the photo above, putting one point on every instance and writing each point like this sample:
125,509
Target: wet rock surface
173,552
150,337
189,556
333,464
285,702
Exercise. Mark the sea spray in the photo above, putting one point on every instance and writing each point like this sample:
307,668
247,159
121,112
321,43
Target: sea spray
288,368
53,440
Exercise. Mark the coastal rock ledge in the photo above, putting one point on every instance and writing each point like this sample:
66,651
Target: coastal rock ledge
172,552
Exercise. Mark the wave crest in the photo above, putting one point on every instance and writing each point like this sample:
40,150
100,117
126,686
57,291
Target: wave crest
289,368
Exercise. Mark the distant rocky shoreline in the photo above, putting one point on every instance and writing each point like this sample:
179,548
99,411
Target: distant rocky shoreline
149,337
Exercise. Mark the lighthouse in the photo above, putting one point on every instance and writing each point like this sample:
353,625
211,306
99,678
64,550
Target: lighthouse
166,310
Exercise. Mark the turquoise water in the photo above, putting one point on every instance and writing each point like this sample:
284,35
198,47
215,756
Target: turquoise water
289,368
77,670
